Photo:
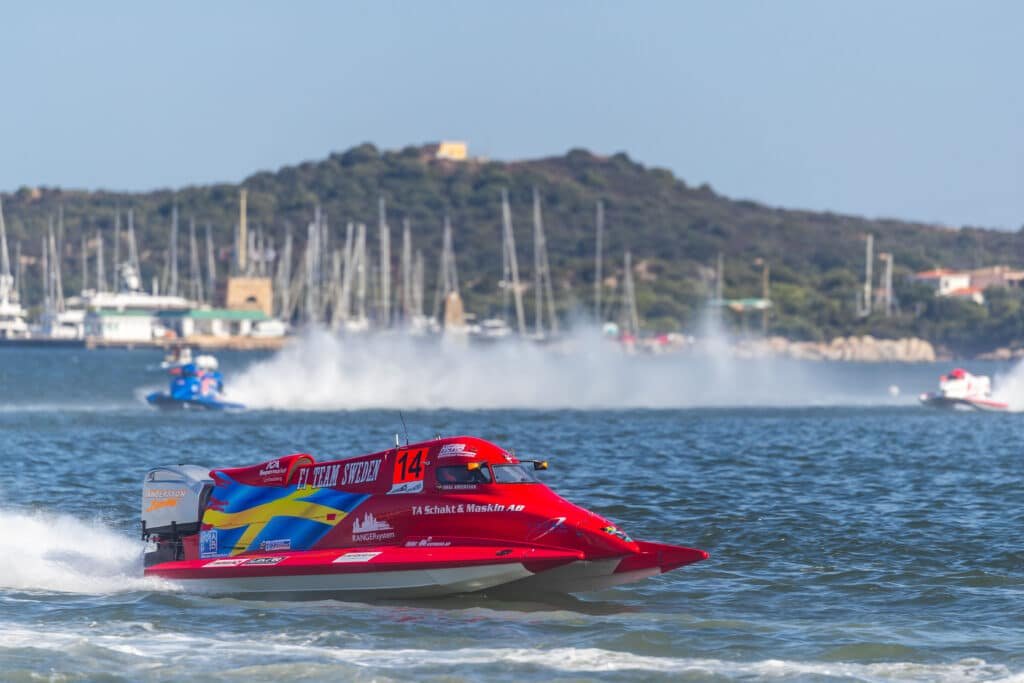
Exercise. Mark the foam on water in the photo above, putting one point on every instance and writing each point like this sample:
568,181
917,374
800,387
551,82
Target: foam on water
140,646
321,371
1009,387
60,553
55,408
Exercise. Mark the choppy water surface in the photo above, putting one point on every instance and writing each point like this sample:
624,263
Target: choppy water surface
866,541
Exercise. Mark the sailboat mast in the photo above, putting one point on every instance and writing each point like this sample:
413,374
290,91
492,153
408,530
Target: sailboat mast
538,285
347,273
385,263
172,288
57,283
8,283
116,262
325,264
598,261
629,292
511,263
17,271
418,282
5,258
361,272
284,274
447,279
101,273
60,230
211,265
195,274
313,268
451,273
85,264
243,228
334,291
133,246
45,269
407,270
542,276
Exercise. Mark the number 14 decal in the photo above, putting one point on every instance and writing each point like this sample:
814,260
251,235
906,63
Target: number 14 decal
409,470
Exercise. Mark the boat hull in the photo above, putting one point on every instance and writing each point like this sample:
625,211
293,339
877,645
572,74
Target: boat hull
165,402
947,403
375,573
400,572
584,576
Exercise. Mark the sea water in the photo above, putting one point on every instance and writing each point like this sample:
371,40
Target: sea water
853,535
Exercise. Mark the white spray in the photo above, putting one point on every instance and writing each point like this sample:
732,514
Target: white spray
1009,387
321,371
61,553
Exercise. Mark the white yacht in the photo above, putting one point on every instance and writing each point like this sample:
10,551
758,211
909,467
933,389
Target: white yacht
12,315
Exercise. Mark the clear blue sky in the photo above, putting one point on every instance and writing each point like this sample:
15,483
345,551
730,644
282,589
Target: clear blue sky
903,109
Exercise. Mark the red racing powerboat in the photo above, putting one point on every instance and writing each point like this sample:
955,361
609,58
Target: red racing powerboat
452,515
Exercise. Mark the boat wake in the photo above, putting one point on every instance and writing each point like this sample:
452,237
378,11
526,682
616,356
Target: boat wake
320,371
47,552
284,657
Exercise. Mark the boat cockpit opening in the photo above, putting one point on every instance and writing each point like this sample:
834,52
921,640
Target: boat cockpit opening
460,474
513,474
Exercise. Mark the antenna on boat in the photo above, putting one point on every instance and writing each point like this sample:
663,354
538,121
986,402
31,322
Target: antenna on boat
404,429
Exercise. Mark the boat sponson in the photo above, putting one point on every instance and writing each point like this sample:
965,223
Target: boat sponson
360,560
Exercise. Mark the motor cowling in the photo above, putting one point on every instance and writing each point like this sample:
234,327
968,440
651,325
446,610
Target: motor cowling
173,500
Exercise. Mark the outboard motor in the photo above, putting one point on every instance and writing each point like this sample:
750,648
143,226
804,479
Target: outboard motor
173,501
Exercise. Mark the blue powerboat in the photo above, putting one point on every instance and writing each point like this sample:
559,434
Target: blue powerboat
194,386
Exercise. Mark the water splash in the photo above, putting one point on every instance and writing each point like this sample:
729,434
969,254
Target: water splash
54,552
1009,387
320,371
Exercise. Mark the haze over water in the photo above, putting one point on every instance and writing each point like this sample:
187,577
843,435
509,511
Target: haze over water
853,535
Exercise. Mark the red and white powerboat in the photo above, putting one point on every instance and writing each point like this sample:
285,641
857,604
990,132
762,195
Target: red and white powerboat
452,515
961,389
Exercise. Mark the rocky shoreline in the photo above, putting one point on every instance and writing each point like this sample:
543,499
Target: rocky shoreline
1002,353
866,349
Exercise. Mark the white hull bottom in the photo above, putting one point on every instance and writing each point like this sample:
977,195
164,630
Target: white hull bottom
416,583
582,576
576,577
982,405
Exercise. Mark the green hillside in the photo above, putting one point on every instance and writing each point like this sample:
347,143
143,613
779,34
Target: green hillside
674,230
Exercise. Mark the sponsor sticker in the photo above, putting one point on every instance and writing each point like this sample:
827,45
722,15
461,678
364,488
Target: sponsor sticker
457,487
226,562
161,503
344,474
272,471
547,527
164,493
463,508
408,487
427,542
361,472
409,471
617,532
277,544
369,529
355,557
263,561
456,450
208,543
